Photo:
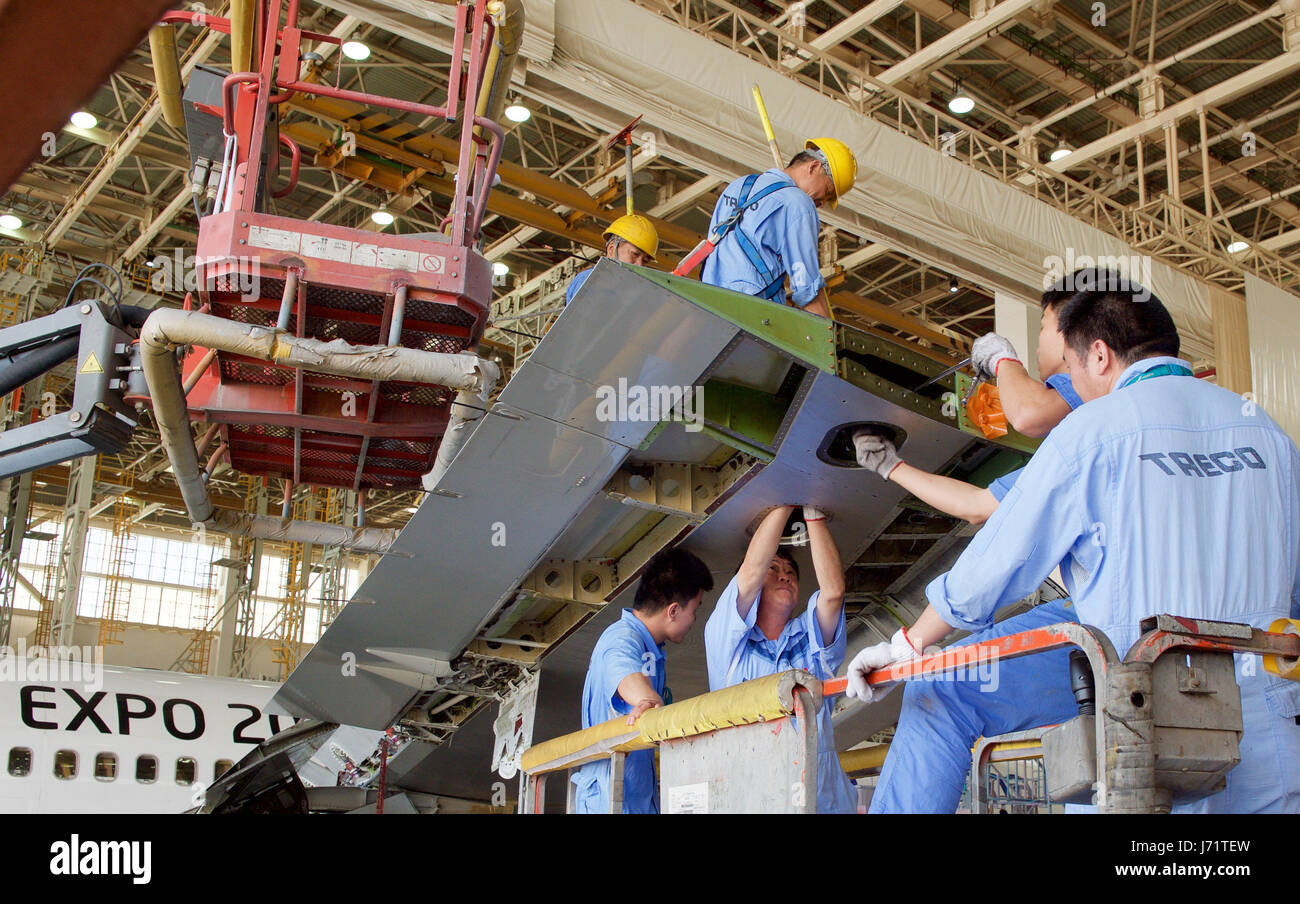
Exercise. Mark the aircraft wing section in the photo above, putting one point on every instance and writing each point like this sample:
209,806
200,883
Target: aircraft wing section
532,466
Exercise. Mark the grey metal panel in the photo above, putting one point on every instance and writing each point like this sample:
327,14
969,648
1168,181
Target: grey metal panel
619,326
857,501
525,471
443,575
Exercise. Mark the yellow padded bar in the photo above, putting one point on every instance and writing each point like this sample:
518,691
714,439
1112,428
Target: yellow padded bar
760,700
864,759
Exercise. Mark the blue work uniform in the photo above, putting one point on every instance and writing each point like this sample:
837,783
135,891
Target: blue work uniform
625,648
942,718
574,286
776,236
1167,495
737,651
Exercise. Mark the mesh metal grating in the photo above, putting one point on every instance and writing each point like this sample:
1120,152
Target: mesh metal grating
401,445
417,395
434,312
397,464
431,342
237,430
327,329
246,372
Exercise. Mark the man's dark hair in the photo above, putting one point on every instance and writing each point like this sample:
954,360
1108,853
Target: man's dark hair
783,552
1095,303
671,576
801,157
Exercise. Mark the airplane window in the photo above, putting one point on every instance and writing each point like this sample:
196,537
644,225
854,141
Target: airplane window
106,766
220,768
146,769
20,761
186,769
65,764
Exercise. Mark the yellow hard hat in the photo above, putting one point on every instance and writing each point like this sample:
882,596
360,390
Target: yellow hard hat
844,166
636,229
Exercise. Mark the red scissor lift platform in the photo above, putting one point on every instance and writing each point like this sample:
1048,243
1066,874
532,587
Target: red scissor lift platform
334,284
317,428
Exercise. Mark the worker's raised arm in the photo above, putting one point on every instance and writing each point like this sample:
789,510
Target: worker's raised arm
1031,407
1037,524
820,305
829,571
876,453
762,546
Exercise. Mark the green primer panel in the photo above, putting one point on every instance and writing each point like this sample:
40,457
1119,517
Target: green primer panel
808,337
743,412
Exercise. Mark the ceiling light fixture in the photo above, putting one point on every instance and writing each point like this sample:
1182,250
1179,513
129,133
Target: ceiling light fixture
952,286
1059,151
500,268
83,120
961,103
518,113
355,50
9,221
382,217
1237,247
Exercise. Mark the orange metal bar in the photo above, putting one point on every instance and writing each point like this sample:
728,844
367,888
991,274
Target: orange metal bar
1041,640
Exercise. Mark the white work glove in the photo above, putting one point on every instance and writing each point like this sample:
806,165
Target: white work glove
813,514
875,452
897,649
990,349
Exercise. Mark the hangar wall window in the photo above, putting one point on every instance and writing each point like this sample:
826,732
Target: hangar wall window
65,764
20,761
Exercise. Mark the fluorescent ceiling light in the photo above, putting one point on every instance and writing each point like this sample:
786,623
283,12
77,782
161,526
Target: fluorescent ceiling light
83,120
382,217
518,113
355,50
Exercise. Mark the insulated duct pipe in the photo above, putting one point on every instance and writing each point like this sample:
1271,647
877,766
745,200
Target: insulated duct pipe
508,17
269,527
241,35
162,48
165,330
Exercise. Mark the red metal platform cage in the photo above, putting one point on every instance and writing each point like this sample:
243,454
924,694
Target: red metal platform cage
334,284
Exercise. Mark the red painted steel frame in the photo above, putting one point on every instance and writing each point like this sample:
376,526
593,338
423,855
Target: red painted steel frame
343,283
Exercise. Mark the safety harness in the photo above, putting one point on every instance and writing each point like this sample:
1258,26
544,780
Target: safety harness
773,284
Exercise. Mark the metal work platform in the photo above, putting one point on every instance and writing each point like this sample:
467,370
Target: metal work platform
1165,730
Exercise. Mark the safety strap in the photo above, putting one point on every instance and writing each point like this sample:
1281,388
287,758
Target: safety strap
773,284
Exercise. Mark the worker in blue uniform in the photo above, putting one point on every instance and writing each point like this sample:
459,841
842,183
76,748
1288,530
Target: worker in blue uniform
627,675
631,239
1162,494
941,719
753,631
769,228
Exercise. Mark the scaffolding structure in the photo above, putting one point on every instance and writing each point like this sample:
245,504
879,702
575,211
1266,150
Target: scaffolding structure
290,619
120,567
340,508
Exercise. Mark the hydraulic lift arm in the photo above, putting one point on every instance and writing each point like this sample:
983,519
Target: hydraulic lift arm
100,420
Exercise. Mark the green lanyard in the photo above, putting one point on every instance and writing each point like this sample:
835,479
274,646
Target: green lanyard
1160,370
